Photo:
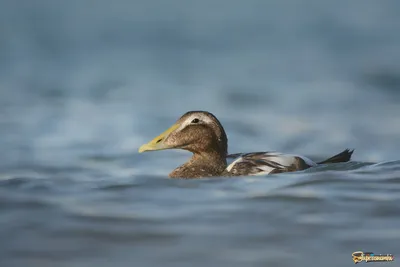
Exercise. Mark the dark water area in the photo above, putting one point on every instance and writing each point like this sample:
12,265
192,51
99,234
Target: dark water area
84,83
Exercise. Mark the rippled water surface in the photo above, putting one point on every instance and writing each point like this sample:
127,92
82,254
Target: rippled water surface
84,83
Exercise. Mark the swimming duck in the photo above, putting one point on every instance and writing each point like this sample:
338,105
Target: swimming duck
201,133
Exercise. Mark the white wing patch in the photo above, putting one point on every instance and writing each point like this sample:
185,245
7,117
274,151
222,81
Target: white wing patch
230,166
282,159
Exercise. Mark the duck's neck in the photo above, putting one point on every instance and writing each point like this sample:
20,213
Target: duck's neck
205,164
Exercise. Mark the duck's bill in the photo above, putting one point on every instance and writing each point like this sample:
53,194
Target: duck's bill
158,142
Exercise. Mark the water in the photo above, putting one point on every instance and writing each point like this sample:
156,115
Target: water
84,84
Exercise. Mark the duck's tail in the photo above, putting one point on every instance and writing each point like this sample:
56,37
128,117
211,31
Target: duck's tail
344,156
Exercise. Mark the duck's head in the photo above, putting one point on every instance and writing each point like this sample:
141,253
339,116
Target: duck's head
196,131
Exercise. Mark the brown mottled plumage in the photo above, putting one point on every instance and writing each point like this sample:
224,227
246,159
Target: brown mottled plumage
201,133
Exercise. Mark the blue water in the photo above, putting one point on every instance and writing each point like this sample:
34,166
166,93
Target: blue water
84,83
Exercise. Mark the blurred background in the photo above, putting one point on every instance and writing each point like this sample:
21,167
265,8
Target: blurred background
84,83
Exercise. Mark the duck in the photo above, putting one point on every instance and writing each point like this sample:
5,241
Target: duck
201,133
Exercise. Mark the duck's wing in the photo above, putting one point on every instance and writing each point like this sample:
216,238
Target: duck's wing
262,163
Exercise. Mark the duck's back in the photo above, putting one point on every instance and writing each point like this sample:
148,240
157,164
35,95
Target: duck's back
263,163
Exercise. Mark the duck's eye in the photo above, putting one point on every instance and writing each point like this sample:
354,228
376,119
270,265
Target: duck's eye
195,120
